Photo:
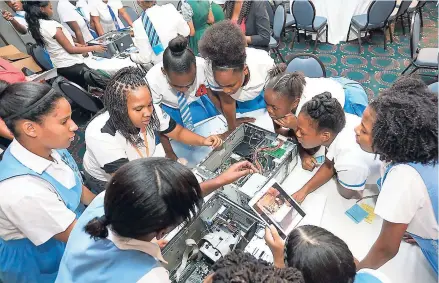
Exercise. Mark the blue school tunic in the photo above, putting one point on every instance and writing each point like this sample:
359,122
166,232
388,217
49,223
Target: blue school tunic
356,99
429,174
87,259
20,260
200,110
366,277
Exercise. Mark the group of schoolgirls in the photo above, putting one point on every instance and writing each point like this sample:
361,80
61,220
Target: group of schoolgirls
141,198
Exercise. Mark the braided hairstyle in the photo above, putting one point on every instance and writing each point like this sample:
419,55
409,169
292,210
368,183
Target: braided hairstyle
242,267
320,255
115,102
406,125
33,17
290,85
326,111
223,44
245,10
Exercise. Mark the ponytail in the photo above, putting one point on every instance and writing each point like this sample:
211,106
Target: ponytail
286,84
177,56
33,17
97,227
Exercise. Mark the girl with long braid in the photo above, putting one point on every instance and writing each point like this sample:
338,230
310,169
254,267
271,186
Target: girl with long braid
126,128
252,18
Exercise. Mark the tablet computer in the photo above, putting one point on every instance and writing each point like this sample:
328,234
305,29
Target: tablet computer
277,208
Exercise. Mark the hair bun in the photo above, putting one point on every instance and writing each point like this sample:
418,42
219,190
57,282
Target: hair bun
178,45
322,103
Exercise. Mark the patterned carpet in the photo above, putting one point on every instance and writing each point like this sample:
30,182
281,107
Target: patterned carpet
375,68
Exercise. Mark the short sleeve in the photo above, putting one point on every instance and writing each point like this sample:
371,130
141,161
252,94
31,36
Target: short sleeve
92,6
108,151
66,13
187,12
352,177
116,4
167,124
401,195
48,28
36,210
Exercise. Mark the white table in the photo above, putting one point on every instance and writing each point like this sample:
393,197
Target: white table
408,266
111,66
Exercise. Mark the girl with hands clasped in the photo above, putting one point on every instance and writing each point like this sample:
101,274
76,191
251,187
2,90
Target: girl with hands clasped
321,256
125,130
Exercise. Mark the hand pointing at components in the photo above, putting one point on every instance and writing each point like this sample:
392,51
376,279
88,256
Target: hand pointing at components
213,141
237,171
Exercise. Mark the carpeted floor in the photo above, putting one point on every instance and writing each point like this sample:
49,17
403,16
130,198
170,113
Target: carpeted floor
375,68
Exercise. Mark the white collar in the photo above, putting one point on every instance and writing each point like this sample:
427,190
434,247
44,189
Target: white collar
122,243
31,160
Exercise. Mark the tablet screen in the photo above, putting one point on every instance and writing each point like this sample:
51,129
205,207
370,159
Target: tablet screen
276,207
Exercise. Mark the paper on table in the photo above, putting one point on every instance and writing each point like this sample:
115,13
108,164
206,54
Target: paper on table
314,206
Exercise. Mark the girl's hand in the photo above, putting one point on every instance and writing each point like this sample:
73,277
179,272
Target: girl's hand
289,121
213,141
99,48
276,245
236,171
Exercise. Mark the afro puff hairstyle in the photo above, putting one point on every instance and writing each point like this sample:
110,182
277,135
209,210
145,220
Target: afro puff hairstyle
406,124
224,45
241,267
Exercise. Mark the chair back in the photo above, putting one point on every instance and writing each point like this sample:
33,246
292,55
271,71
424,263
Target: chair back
279,21
309,64
270,11
433,87
41,57
304,13
80,96
415,34
132,13
403,7
379,12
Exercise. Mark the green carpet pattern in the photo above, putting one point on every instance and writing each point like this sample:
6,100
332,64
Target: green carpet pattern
375,68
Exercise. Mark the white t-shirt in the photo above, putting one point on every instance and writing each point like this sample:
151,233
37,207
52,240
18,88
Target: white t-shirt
68,13
19,17
404,199
99,9
59,56
167,22
316,86
355,168
162,92
30,207
84,8
107,149
259,63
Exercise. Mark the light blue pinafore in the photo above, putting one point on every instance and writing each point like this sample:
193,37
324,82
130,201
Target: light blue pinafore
86,259
429,174
20,260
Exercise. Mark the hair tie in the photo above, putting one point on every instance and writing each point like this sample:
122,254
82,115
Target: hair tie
30,107
103,220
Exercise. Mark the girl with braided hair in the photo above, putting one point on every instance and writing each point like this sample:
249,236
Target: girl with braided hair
126,128
253,20
322,122
401,126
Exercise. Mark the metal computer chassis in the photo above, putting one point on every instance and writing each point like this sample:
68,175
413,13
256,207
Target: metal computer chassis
220,227
243,140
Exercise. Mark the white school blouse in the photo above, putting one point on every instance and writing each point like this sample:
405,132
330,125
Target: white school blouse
162,92
107,149
259,63
68,13
99,9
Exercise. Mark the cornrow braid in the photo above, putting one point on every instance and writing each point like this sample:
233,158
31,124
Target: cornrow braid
245,10
286,84
115,101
